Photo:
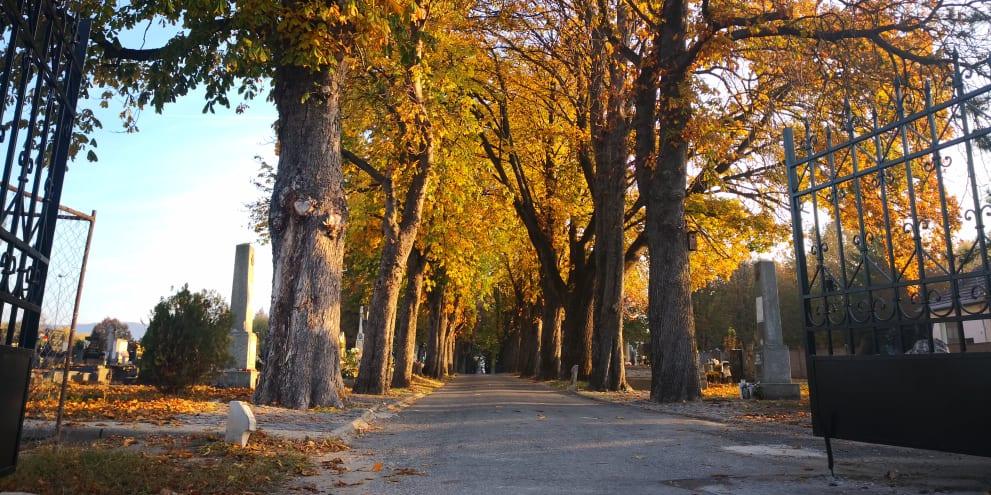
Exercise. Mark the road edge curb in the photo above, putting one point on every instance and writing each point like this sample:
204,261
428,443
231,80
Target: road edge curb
348,430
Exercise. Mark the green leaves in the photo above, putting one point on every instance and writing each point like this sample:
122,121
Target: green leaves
186,340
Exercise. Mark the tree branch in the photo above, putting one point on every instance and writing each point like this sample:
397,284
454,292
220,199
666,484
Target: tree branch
376,176
180,44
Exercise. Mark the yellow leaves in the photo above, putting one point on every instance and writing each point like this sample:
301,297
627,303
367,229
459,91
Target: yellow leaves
127,402
728,232
394,6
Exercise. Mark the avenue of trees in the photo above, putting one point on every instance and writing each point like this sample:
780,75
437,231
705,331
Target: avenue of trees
520,177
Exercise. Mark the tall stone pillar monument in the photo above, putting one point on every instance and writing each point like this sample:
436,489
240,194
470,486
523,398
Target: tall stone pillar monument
244,343
773,361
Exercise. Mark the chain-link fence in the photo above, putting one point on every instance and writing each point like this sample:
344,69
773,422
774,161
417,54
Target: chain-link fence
59,346
62,289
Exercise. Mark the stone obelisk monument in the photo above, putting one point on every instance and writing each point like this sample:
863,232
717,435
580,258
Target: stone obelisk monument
773,361
244,343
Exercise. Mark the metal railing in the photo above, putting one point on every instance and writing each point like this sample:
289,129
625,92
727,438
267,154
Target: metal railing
893,265
42,49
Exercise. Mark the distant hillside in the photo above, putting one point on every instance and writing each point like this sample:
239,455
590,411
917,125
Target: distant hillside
137,328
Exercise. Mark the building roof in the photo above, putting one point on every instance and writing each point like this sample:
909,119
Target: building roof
972,290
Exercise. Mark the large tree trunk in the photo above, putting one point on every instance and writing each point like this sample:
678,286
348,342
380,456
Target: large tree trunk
609,373
675,375
617,372
578,327
400,230
405,350
530,348
674,360
306,220
438,320
376,355
446,359
610,136
509,350
552,317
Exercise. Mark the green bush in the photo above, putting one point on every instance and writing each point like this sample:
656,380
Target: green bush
350,362
186,340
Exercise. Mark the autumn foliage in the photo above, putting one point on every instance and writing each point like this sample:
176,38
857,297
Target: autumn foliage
548,160
142,403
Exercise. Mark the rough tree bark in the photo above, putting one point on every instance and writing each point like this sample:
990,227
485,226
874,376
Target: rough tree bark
674,370
447,348
435,339
552,316
509,353
530,341
577,328
405,348
609,131
399,234
306,220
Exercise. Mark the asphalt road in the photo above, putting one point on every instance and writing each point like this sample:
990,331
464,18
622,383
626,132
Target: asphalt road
501,434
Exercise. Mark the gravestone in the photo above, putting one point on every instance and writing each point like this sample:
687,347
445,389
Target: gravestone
359,340
773,361
243,343
240,423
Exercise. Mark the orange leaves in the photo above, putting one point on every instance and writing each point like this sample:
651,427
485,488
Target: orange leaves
167,465
128,402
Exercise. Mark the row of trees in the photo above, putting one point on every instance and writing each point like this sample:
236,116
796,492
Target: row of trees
529,167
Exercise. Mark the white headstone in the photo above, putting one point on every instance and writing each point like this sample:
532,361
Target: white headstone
359,340
240,423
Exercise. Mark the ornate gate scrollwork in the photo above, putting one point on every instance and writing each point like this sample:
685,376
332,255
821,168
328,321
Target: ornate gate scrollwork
42,49
891,243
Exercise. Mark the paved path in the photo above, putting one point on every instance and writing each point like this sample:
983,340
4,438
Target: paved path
501,434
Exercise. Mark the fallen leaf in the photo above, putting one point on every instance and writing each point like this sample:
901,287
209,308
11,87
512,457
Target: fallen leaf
407,472
377,467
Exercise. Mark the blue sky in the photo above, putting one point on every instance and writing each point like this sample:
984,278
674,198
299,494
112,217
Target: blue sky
170,205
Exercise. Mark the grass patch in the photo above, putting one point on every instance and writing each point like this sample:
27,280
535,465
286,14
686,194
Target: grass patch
128,402
166,465
566,384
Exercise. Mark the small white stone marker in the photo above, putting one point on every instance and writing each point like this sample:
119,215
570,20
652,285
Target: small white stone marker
240,423
574,378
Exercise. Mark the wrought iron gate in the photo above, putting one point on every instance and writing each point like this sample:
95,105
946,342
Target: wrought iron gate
42,50
892,250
